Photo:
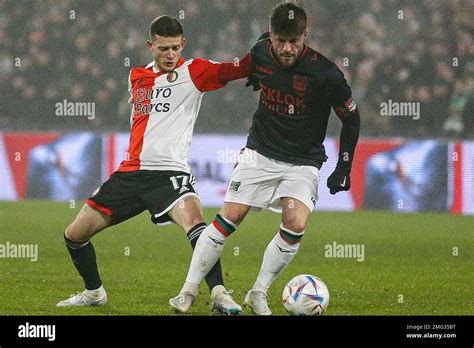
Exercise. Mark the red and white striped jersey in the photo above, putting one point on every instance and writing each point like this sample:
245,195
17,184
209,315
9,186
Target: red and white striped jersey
165,108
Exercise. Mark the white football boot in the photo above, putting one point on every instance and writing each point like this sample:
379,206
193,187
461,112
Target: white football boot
86,298
258,302
222,301
182,302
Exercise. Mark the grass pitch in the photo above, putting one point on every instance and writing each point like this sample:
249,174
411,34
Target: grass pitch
414,264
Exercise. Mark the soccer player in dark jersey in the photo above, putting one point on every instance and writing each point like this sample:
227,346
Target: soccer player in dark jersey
279,168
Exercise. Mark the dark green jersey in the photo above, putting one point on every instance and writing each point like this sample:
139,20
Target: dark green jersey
295,103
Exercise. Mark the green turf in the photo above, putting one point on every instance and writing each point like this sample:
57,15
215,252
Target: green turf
405,254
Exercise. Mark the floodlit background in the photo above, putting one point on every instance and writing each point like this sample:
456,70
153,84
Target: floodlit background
392,52
82,51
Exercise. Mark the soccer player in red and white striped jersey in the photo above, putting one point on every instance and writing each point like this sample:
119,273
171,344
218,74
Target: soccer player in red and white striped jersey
166,95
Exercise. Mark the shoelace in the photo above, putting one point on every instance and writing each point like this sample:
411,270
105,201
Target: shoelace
82,296
182,299
78,296
229,292
225,300
265,296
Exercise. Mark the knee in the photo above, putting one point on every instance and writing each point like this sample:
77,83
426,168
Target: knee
294,224
197,220
69,233
193,221
233,216
234,212
188,220
75,234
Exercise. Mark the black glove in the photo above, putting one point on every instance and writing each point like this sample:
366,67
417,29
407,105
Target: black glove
253,81
339,181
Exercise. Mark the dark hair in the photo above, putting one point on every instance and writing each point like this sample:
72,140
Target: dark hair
288,19
165,26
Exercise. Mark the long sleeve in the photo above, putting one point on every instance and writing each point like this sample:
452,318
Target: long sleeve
208,75
346,109
234,71
349,135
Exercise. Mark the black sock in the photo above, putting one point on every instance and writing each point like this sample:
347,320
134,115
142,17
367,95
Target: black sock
214,277
83,257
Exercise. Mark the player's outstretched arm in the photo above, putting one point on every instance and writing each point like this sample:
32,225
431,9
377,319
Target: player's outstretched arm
237,70
208,75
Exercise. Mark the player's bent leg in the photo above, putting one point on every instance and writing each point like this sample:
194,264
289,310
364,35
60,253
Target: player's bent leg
279,253
208,250
87,223
188,214
234,212
211,243
77,239
295,214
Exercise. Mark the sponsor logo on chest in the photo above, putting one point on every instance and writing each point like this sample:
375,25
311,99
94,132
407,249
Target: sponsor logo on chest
152,99
281,102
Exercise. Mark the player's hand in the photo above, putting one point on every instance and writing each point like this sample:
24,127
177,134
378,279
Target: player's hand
338,181
253,81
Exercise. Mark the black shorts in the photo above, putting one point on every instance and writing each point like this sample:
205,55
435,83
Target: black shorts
127,194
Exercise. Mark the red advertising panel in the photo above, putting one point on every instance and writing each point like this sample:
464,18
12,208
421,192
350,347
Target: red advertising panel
404,176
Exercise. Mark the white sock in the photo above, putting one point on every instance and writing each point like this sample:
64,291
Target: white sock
279,253
207,251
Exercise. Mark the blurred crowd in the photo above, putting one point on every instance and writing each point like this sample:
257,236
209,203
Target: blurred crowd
81,51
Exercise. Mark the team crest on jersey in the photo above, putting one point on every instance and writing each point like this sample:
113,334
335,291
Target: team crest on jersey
300,83
234,185
172,76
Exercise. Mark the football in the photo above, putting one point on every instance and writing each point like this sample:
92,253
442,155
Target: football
305,294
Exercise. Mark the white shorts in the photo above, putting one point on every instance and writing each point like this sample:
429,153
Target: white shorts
260,182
